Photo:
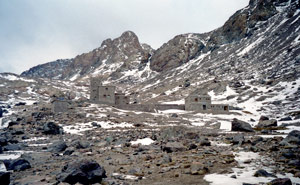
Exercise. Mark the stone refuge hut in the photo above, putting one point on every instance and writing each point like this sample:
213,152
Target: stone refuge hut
107,95
202,103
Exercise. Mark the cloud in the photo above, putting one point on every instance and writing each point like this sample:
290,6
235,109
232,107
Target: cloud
38,31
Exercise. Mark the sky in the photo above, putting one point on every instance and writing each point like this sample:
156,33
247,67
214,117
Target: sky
34,32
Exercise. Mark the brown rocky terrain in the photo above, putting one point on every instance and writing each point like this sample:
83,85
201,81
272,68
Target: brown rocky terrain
250,63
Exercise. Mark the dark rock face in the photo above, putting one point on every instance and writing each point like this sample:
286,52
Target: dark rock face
281,181
58,146
4,178
238,125
173,147
240,24
176,52
1,112
83,171
17,164
52,128
1,151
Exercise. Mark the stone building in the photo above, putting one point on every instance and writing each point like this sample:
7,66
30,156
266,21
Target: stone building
106,94
198,103
202,103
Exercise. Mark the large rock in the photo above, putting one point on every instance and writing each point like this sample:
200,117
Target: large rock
80,144
293,137
4,178
3,141
173,147
57,146
267,123
263,173
238,139
12,147
280,181
52,128
238,125
17,164
83,171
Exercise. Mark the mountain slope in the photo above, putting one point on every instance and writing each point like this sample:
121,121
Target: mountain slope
123,59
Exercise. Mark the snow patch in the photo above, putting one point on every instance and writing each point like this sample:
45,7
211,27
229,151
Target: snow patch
145,141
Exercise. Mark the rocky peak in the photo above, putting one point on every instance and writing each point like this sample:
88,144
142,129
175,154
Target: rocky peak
48,70
177,51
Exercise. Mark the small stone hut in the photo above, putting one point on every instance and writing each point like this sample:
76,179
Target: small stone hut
106,94
202,103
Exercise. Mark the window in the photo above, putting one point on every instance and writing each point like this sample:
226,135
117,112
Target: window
106,88
226,108
196,99
207,98
204,107
104,96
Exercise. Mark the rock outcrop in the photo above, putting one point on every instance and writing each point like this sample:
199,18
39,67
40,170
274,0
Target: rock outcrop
181,49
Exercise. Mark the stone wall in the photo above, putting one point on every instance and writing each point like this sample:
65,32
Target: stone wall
107,95
220,107
121,99
150,107
94,89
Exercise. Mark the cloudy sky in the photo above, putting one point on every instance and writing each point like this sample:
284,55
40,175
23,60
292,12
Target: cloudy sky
33,32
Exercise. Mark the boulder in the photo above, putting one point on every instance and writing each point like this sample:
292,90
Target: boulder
12,147
173,147
17,164
52,128
263,173
57,146
198,169
292,138
204,142
82,171
238,139
80,144
263,118
238,125
20,104
4,178
280,181
288,118
267,123
3,141
174,115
